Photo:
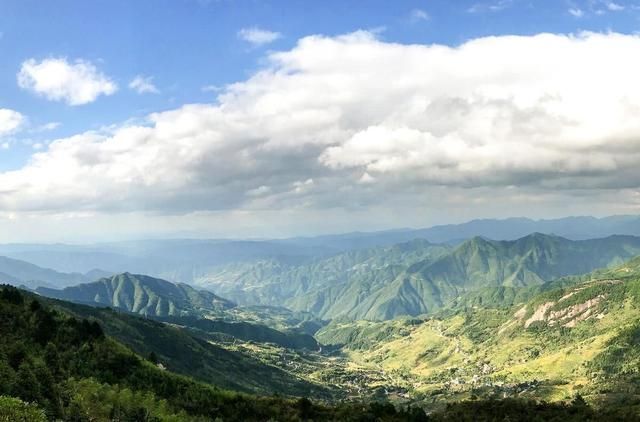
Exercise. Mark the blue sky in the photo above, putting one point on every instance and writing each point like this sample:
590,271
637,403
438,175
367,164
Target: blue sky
181,47
186,45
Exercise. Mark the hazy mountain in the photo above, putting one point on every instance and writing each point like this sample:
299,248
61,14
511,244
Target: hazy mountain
16,272
575,228
272,282
189,261
142,295
418,277
175,260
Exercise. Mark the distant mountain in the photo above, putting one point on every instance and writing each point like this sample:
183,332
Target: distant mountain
142,295
174,259
193,260
17,272
575,228
319,286
481,263
419,277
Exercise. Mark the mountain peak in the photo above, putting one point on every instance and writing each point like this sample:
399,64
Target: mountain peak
143,294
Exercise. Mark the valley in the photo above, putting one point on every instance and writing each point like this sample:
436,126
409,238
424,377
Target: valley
416,325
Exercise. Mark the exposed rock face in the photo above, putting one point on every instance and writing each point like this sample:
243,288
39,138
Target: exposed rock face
539,314
570,316
567,317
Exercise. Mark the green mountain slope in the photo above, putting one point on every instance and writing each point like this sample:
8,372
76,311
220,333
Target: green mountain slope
418,277
142,295
182,352
577,339
180,304
245,331
67,369
327,287
480,264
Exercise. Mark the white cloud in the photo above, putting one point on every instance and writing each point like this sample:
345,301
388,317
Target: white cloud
614,7
352,122
491,6
258,37
576,12
47,127
10,121
143,85
419,15
212,88
57,79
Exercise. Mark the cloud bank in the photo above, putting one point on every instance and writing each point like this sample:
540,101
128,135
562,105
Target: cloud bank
356,122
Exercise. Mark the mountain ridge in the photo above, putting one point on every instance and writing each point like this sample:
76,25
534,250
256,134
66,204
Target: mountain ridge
421,277
142,295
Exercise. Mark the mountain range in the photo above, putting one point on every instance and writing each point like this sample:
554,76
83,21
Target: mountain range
415,323
192,260
417,277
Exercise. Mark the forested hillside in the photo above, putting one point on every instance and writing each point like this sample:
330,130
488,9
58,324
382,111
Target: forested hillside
72,371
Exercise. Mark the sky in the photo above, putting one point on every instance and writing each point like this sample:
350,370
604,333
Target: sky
250,118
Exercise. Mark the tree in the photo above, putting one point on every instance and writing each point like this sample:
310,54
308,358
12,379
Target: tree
15,410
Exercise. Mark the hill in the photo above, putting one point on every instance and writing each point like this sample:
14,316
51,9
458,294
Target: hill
180,304
142,295
66,368
187,353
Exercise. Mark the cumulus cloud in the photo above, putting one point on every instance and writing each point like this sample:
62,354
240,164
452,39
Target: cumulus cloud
10,121
355,122
57,79
143,85
258,37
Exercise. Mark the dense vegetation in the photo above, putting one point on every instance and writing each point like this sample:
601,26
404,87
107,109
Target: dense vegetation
179,350
72,371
